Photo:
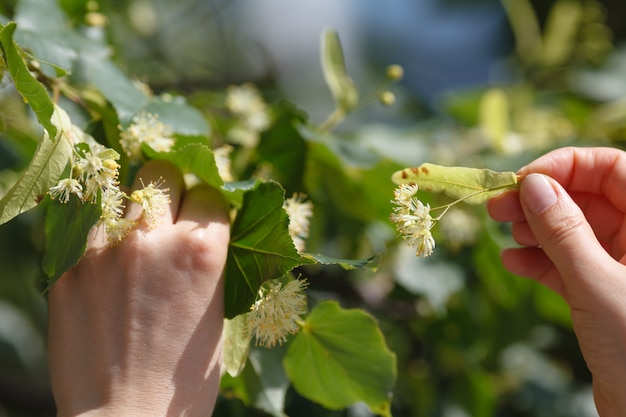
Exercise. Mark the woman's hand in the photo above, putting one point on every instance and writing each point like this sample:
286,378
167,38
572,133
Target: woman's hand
569,215
136,328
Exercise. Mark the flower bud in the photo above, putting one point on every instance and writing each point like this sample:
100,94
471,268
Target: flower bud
395,72
387,98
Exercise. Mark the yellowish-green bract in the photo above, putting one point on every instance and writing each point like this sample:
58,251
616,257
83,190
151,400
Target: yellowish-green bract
471,185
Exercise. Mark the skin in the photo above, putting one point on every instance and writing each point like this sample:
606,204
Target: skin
569,216
136,329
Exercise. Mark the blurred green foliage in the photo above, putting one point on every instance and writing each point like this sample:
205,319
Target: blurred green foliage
469,338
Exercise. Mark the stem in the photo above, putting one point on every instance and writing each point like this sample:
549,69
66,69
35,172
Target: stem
446,207
333,120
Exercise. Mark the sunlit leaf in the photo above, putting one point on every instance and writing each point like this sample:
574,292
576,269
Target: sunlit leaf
31,90
340,358
473,185
195,158
236,345
260,246
339,82
67,228
44,170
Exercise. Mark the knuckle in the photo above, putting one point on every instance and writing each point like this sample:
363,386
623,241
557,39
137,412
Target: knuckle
565,229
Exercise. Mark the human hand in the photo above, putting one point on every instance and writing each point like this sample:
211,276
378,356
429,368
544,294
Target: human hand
571,223
136,329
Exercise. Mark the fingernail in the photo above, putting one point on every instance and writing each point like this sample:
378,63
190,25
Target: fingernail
537,193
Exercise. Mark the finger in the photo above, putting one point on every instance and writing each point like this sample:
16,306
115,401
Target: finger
533,263
523,234
592,170
563,233
203,205
172,181
505,207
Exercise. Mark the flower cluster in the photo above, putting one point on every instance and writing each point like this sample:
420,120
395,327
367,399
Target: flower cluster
413,220
299,212
94,173
146,128
277,312
252,112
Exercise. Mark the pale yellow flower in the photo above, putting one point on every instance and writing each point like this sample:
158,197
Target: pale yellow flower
97,169
222,160
146,128
112,217
299,212
253,115
413,220
277,312
154,202
66,187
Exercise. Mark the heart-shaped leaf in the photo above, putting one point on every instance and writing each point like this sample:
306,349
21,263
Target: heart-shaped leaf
340,358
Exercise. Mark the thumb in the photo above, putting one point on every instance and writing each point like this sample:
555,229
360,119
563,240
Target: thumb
562,231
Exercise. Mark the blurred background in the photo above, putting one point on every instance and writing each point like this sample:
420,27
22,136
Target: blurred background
487,83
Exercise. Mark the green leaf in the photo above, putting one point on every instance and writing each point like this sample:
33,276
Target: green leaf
236,345
182,118
339,82
263,383
340,358
260,247
472,185
196,158
44,30
31,90
118,89
284,148
35,15
44,170
346,264
67,229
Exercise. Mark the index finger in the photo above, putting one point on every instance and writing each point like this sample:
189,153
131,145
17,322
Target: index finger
591,170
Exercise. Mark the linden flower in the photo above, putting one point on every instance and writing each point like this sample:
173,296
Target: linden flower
64,188
413,220
276,314
97,169
299,212
246,103
154,202
112,218
222,160
146,128
244,99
